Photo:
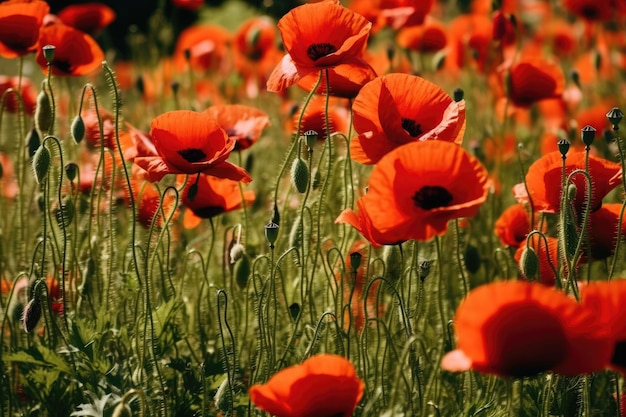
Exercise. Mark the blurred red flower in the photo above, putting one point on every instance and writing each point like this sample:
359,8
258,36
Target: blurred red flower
11,103
90,18
322,386
19,27
532,79
244,124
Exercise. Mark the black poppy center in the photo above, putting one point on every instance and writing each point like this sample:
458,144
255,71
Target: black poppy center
619,354
64,66
411,127
320,50
431,197
192,155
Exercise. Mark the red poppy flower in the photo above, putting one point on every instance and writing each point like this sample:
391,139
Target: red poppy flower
469,40
318,36
532,79
519,329
603,11
426,38
322,386
548,258
92,128
604,230
19,27
255,38
605,300
205,48
244,124
315,118
148,198
513,225
415,190
396,109
90,18
214,196
11,103
543,180
404,13
189,143
345,80
76,53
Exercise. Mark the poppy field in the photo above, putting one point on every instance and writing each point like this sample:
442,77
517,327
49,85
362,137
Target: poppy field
386,208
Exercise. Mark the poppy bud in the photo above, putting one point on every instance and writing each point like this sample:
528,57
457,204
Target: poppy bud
32,142
571,191
41,163
43,113
355,260
71,170
300,175
242,271
563,145
271,233
32,314
529,263
236,252
48,53
78,129
615,116
588,134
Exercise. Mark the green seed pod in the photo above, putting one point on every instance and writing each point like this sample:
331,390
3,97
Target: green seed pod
271,233
294,310
41,163
529,263
43,113
242,271
31,315
71,170
355,260
300,175
48,52
78,129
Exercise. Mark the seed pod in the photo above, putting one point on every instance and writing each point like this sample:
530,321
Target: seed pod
271,233
31,315
43,113
529,263
41,163
78,129
300,175
71,170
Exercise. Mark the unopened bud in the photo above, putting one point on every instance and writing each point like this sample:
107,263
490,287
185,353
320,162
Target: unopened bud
300,175
41,163
529,263
242,271
43,113
32,314
78,129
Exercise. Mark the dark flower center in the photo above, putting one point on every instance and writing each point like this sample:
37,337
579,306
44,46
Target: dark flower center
64,66
411,127
619,354
320,50
192,155
430,197
208,212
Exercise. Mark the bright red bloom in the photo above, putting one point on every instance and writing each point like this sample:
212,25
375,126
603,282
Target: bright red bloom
519,329
244,124
603,11
76,53
429,37
92,128
543,180
11,103
319,36
189,143
404,13
415,190
604,230
605,300
214,197
513,225
345,80
534,79
19,27
205,48
397,109
322,386
148,198
90,18
315,118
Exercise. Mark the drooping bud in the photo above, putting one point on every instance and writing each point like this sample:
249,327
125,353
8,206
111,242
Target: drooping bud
294,310
242,271
300,175
529,262
41,163
588,134
31,314
78,129
71,170
32,142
